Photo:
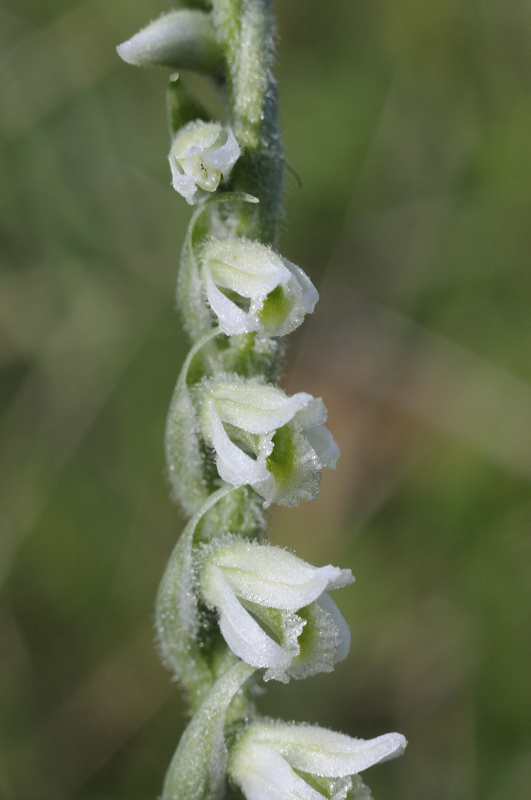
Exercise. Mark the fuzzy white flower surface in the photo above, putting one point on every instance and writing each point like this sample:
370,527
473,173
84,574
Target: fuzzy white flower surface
251,288
289,596
201,156
283,761
262,437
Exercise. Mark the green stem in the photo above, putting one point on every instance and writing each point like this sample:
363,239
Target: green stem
246,31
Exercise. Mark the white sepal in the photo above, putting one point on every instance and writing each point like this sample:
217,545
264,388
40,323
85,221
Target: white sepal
326,603
242,633
277,444
239,577
201,156
262,774
256,407
263,761
234,466
270,295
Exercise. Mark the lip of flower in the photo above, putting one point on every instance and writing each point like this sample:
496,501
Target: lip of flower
201,156
286,437
264,759
278,293
240,576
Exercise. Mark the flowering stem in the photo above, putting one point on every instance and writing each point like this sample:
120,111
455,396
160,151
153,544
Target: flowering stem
230,604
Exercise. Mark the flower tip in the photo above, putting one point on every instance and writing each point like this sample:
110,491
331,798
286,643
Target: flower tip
127,53
397,743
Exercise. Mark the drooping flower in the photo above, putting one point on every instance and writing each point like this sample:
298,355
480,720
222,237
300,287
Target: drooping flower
246,581
283,761
275,443
201,155
252,288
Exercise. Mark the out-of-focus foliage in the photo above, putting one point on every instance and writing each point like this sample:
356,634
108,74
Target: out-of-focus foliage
409,124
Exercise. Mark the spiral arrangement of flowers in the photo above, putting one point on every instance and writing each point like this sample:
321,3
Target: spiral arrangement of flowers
232,609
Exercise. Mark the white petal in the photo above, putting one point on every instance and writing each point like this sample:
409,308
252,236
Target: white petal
312,415
242,633
232,319
273,577
184,184
324,445
234,466
344,577
248,267
263,774
326,753
224,157
310,295
326,602
256,408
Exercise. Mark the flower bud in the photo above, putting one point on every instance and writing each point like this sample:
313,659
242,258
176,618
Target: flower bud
252,288
202,154
275,443
180,40
283,761
288,596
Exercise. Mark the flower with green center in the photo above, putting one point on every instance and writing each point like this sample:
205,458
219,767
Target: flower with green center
283,761
251,288
275,443
201,156
274,610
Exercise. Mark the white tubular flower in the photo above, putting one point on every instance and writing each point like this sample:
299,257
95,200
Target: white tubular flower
288,596
202,154
252,288
275,443
282,761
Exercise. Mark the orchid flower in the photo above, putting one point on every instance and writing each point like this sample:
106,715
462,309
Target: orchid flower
246,581
252,288
201,155
283,761
275,443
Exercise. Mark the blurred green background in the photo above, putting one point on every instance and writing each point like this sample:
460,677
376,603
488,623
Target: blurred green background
409,123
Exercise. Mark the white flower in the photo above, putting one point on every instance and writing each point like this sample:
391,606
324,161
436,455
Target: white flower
201,155
275,443
282,761
268,294
288,596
